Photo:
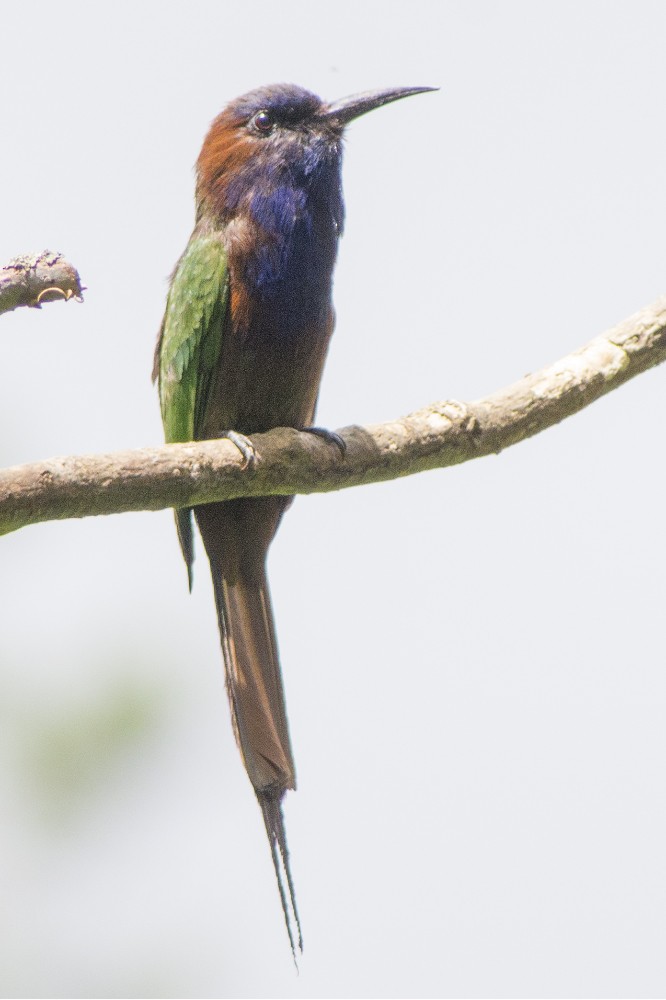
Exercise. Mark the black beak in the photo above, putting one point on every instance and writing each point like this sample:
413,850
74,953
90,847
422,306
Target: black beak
340,113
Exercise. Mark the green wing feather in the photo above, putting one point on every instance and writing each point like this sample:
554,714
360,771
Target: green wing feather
189,349
192,336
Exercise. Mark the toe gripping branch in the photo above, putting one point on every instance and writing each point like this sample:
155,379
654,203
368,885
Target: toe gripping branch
244,445
330,436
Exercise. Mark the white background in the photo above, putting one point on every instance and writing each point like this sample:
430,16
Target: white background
474,658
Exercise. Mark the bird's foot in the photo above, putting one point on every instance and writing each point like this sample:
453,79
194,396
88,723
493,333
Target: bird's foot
330,436
244,445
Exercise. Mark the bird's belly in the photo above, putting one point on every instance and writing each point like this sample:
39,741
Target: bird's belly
268,378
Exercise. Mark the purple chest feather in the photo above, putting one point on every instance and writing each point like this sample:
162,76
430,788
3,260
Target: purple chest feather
296,216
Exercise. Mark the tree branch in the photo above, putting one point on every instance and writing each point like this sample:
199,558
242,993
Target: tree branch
290,461
31,279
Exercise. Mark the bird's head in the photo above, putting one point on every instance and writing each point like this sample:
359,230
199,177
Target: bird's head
275,135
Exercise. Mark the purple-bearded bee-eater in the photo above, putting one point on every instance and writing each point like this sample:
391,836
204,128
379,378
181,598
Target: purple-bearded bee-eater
240,351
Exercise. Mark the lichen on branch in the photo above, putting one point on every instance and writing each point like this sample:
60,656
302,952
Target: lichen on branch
33,279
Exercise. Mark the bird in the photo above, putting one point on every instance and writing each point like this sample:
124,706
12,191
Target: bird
240,351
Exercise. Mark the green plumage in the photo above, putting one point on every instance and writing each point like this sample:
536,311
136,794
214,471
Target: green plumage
189,349
192,336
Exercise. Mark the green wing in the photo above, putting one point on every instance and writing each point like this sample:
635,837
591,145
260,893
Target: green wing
192,336
189,348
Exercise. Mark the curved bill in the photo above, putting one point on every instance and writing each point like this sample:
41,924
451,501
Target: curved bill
342,112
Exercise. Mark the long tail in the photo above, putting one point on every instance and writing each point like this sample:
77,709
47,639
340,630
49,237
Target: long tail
236,535
271,807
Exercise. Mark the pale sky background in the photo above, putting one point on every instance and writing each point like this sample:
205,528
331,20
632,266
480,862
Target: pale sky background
474,658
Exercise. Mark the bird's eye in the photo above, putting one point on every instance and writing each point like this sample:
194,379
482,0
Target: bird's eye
262,122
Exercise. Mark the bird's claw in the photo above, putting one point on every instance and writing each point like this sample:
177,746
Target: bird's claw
245,447
330,436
